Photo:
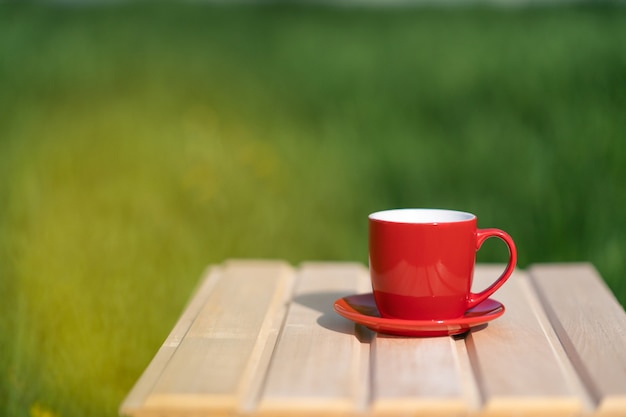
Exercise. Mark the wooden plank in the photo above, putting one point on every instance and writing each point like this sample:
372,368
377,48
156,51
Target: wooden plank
216,366
135,399
560,349
319,365
417,376
467,377
520,366
591,325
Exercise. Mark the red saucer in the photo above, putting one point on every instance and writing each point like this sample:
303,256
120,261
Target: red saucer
361,309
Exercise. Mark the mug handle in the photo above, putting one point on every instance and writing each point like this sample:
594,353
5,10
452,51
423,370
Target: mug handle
481,235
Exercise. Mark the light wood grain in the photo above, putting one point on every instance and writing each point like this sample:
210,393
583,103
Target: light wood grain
467,377
135,399
319,366
591,324
260,339
518,362
416,376
214,367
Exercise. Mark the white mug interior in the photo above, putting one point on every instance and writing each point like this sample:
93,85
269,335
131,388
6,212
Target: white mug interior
422,216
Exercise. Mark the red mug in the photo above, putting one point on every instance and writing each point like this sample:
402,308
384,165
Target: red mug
422,262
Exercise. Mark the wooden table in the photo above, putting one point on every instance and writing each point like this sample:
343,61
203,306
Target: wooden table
261,338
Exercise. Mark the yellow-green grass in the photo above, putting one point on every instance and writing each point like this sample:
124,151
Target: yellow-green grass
139,144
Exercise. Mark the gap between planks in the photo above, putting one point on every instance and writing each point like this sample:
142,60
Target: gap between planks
518,363
318,364
217,366
591,325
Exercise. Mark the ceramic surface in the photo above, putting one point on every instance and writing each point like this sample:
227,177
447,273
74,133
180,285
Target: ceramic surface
422,262
361,309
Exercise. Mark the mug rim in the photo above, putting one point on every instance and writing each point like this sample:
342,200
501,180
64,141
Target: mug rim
421,216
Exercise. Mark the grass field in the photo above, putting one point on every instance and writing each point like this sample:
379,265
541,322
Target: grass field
138,144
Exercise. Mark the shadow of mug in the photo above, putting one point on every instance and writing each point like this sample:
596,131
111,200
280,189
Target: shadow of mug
323,303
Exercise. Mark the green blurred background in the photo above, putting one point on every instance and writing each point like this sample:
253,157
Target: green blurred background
140,143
